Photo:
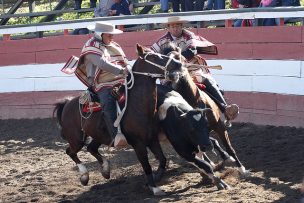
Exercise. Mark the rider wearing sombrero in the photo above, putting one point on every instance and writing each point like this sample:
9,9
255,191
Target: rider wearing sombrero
102,65
191,45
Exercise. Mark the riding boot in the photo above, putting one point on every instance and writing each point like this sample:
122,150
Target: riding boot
109,113
230,111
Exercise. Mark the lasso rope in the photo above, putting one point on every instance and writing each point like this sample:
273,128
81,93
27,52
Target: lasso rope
84,98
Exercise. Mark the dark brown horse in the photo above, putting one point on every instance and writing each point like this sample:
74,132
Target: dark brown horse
139,124
199,99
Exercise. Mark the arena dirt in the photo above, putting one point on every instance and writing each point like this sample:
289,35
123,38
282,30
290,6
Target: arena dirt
35,168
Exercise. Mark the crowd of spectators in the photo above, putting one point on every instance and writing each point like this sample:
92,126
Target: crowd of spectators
105,8
124,7
108,7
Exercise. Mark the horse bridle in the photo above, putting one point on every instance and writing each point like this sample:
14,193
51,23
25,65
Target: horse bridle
129,84
155,75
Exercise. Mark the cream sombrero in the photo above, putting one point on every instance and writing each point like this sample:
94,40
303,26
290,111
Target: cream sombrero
104,28
175,19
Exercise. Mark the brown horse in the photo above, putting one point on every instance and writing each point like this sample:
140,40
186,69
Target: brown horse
200,99
139,123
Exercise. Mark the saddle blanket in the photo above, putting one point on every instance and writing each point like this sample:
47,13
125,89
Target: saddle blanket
91,107
96,106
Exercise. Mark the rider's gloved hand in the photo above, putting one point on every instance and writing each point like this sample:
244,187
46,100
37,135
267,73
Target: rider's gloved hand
189,53
116,93
91,89
124,72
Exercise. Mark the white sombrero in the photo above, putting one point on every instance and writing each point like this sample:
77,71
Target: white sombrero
104,28
175,19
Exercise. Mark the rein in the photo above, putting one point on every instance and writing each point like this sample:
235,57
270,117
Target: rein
155,75
130,84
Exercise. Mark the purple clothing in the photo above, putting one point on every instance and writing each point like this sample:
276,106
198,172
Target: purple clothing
121,8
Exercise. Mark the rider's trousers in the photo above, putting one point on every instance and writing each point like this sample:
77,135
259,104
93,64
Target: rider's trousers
214,92
109,111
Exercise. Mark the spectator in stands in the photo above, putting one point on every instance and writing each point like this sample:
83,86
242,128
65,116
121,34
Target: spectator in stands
245,4
120,7
191,46
215,4
178,5
164,5
189,5
269,21
103,8
291,3
199,5
80,31
79,2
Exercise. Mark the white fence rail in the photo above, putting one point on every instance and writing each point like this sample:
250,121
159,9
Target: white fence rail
214,15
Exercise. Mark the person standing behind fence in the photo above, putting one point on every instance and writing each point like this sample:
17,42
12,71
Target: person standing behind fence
79,2
178,5
103,8
245,4
269,21
120,7
215,4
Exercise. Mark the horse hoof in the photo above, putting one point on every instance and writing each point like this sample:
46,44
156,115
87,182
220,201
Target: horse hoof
84,179
158,175
106,174
245,173
220,186
105,169
206,181
157,191
223,186
230,161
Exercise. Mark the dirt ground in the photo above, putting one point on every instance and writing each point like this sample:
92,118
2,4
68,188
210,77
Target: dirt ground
35,168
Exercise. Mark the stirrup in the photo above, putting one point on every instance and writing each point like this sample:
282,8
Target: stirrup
228,124
120,141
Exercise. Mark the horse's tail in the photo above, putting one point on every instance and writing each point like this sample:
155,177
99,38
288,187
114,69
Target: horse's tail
59,109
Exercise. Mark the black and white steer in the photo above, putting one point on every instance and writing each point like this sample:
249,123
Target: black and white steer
187,130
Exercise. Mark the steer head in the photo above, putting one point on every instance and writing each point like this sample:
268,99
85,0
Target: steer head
197,126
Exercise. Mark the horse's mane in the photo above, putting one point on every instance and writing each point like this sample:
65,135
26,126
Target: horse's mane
186,84
187,87
169,47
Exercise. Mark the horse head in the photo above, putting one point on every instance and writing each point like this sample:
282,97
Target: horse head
174,51
157,65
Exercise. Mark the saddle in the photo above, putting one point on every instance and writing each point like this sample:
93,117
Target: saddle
91,103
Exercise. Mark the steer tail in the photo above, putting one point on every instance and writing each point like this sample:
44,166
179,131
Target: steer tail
59,109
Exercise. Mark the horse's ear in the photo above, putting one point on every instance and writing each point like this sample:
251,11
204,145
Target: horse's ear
140,50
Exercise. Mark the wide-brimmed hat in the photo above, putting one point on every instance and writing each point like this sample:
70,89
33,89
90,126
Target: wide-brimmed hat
104,28
175,19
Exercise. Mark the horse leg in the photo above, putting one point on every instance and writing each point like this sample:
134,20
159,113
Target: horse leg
206,171
159,155
72,152
142,156
223,135
224,155
104,163
206,158
228,160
